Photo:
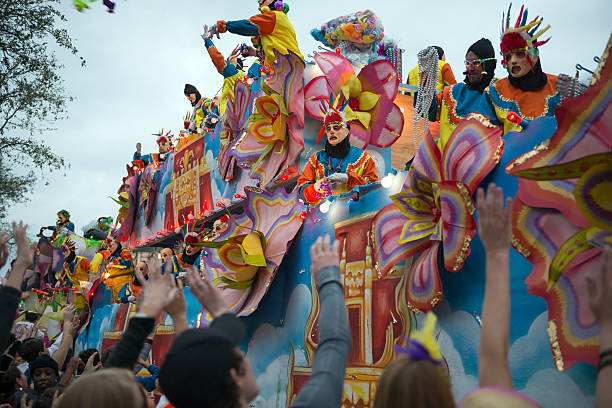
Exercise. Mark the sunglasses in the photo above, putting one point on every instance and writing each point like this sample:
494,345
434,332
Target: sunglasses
336,127
477,62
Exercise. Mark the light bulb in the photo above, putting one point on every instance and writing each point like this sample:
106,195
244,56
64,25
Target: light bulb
324,208
387,181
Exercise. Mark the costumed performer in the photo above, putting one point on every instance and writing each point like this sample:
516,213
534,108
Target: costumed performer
445,73
129,293
202,108
63,221
337,168
259,66
75,270
231,69
457,101
192,251
164,145
527,92
119,267
272,26
168,255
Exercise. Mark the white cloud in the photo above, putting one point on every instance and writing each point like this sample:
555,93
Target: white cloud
551,388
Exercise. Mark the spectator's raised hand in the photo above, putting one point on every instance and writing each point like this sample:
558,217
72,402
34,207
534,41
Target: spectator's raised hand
24,254
90,367
4,237
207,294
600,292
322,254
494,226
69,312
158,291
177,307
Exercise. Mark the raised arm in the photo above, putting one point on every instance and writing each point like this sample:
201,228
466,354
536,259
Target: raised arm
325,386
495,233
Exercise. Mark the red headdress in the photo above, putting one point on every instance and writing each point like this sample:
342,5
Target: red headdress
192,238
331,115
164,138
69,245
523,36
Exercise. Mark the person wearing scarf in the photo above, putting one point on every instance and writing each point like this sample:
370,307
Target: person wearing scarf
459,100
337,168
202,108
527,91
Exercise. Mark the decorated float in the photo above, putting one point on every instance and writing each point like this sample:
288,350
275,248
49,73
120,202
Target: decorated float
408,241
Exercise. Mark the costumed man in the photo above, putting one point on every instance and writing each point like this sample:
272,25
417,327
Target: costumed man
75,270
231,69
168,255
337,168
119,267
202,108
192,251
445,73
63,221
527,93
455,102
129,293
164,145
259,67
272,26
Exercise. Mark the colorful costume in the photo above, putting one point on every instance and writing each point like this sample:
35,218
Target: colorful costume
459,100
231,73
164,141
340,158
531,96
120,270
273,27
445,76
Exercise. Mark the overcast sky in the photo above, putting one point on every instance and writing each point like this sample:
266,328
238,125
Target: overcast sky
139,59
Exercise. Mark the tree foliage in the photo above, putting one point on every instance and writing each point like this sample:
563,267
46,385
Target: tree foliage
32,96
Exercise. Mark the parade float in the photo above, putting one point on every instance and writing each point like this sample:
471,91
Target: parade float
408,241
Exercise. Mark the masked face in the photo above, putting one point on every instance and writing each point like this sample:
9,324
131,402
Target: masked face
142,268
191,97
113,247
336,133
165,254
191,249
518,63
66,254
163,146
61,218
473,67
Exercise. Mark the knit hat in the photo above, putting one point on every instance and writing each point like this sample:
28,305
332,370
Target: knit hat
43,361
201,356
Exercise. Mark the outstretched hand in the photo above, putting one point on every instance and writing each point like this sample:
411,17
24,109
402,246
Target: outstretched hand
322,255
600,292
90,367
494,223
208,295
206,35
4,237
158,291
24,254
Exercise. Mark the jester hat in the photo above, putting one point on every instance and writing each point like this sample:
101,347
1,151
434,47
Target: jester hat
523,36
69,245
164,138
331,115
422,345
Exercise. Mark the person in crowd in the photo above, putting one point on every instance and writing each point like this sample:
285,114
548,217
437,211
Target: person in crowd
337,168
204,367
455,102
272,26
415,377
12,381
495,381
445,73
45,374
111,387
230,69
164,146
49,397
63,221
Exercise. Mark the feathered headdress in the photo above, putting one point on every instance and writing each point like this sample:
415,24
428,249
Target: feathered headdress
523,36
164,138
331,114
422,345
69,245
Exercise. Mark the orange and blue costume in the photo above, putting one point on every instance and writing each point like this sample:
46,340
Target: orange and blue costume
231,73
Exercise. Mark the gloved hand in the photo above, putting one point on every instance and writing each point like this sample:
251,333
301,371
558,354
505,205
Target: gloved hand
206,35
337,182
569,87
322,188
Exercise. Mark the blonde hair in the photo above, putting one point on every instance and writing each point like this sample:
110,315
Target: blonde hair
406,383
112,387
